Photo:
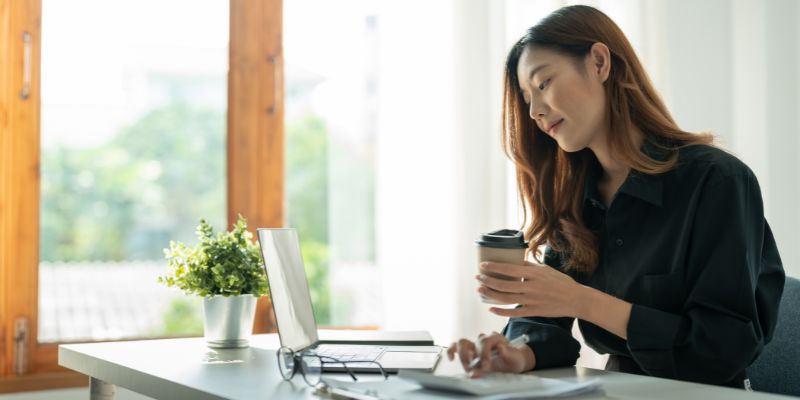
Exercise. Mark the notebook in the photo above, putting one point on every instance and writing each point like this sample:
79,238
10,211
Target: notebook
297,328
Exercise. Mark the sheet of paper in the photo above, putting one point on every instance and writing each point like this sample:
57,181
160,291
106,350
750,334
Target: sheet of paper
395,389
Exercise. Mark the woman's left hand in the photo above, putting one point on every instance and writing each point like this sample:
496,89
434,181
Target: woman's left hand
539,290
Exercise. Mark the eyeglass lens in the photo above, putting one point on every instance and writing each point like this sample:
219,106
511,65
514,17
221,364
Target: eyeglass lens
312,369
286,362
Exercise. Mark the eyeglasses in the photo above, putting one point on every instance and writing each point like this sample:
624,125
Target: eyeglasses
310,365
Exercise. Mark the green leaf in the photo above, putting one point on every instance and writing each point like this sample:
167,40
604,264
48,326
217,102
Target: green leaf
228,263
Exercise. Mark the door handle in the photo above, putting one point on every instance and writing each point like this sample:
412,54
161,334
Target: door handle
27,51
277,101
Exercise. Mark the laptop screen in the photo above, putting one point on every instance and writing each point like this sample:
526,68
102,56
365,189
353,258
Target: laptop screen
288,287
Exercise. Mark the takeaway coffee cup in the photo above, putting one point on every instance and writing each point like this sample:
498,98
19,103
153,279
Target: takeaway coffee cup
502,246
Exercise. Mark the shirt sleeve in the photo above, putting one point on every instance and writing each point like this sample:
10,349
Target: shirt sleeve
550,338
733,283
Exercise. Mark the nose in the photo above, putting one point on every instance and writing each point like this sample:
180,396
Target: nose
537,110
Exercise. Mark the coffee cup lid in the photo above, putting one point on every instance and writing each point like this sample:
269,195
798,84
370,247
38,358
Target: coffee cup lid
503,239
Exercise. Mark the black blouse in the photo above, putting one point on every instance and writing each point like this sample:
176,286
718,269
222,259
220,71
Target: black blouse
693,253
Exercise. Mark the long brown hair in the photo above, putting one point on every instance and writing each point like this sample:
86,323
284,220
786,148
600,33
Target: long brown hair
551,180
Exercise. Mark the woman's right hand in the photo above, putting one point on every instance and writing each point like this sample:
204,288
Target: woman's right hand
509,359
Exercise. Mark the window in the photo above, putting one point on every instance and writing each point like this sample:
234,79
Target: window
108,91
132,156
331,124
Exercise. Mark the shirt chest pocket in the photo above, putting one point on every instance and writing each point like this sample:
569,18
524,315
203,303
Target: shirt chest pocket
664,291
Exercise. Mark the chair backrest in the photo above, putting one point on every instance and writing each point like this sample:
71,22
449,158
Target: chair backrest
777,368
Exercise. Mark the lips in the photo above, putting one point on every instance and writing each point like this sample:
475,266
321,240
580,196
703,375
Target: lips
555,125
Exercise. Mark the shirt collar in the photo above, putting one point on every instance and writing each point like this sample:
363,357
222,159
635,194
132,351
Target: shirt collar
640,185
590,192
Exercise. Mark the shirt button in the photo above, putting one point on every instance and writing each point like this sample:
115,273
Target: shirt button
619,242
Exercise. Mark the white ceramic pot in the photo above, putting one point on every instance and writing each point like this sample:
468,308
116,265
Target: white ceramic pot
228,320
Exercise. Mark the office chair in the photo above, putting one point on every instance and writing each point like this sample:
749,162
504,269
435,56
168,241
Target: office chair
777,368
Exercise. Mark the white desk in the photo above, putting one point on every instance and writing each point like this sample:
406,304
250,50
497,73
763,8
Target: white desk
187,369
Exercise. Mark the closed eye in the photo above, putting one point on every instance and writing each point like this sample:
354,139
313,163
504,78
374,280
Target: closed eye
544,84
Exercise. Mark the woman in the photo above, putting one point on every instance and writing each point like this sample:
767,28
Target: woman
654,239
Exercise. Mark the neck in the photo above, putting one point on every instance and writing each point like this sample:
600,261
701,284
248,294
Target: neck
613,170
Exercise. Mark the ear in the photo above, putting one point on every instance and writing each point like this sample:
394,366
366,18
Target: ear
599,61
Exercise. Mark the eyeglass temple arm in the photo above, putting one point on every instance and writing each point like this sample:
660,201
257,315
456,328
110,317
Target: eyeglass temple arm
344,364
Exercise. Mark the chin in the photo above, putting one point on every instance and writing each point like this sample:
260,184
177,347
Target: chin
570,147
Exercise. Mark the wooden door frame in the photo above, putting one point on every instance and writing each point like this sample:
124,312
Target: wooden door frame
254,160
255,123
19,176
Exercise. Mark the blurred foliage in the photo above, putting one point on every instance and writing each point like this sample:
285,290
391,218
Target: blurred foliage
307,204
124,199
225,264
182,317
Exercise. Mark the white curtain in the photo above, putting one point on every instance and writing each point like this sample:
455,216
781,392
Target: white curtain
441,178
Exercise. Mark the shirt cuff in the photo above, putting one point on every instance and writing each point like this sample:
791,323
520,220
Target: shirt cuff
652,329
553,349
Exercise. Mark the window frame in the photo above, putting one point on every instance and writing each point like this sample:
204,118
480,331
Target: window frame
255,170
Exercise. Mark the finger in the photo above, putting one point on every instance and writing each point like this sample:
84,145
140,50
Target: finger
487,344
524,311
475,373
534,264
478,342
501,297
451,351
503,285
515,271
508,360
491,346
466,352
504,352
478,346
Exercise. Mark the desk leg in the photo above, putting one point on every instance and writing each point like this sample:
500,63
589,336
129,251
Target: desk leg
99,390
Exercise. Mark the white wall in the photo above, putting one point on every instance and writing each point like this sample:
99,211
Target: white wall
731,67
780,127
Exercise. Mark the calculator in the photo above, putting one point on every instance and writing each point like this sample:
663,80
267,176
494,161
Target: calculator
488,384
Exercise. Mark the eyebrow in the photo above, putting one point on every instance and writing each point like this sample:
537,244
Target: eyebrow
535,70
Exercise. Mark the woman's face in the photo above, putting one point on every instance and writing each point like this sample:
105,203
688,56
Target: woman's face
565,98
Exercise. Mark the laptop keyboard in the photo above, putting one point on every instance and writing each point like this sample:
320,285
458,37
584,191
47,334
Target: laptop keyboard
350,353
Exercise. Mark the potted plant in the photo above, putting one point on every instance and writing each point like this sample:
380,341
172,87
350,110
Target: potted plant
226,269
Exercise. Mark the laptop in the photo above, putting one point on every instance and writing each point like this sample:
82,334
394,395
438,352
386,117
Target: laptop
297,328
